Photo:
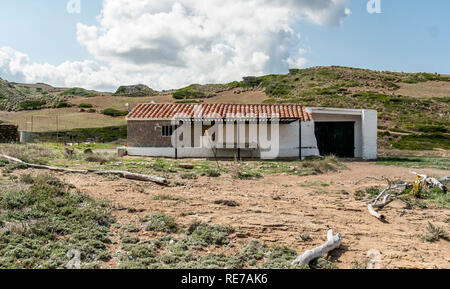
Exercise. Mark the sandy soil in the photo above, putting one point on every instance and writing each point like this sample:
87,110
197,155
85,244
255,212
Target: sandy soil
279,208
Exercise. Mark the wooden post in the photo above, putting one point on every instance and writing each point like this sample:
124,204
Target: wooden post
176,141
239,139
300,139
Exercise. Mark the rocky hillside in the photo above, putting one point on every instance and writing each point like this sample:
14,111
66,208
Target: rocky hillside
17,97
14,97
139,90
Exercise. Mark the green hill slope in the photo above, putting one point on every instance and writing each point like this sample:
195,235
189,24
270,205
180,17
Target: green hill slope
405,122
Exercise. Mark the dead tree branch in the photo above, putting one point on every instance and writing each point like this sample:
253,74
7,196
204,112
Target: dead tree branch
332,243
375,213
123,174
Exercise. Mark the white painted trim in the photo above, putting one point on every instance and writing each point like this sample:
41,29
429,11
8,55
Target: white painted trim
331,110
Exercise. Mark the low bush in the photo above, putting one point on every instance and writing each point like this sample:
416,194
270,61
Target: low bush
85,105
100,158
165,198
31,105
114,112
42,223
204,234
160,223
434,233
63,104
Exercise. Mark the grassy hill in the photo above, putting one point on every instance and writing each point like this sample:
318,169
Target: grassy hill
414,108
19,97
405,121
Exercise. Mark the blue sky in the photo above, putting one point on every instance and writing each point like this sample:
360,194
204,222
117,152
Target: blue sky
409,35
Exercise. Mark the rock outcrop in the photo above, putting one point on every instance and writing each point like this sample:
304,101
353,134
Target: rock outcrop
139,90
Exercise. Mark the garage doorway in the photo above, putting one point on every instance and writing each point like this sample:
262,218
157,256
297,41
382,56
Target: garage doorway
336,138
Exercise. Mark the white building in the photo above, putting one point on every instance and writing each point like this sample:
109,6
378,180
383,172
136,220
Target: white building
265,131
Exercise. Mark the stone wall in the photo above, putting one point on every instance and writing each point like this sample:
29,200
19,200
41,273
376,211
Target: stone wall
148,133
9,133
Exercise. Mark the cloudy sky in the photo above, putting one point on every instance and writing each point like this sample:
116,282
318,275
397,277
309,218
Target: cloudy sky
172,43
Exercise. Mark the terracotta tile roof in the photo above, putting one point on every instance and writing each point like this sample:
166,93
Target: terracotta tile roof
168,111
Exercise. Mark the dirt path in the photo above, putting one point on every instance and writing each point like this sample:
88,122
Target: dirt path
278,209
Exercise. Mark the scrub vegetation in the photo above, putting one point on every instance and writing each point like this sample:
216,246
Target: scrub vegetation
42,219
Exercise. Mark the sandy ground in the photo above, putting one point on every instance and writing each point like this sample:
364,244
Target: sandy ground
278,209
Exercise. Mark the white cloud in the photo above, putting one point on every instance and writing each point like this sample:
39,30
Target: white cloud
172,43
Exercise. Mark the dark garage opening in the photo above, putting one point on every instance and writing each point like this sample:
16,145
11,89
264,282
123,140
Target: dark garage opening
336,138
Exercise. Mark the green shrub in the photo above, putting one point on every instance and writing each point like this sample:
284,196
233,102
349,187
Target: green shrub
63,104
213,173
31,105
188,176
114,112
423,141
246,175
434,233
161,223
85,105
280,257
166,198
100,158
187,94
205,234
40,218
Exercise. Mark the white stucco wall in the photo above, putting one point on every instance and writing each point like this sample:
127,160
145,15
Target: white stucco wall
288,142
287,145
369,134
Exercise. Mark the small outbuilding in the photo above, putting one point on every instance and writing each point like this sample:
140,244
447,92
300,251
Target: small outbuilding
265,131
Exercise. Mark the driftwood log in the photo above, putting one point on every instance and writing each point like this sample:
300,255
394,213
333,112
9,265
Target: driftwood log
389,197
123,174
375,213
333,242
374,203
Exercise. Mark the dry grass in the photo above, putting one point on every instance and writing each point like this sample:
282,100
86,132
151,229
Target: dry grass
321,166
28,152
425,89
101,158
69,118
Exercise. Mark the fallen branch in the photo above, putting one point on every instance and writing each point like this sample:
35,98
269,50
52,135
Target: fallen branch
309,255
375,213
384,203
123,174
390,188
373,203
131,176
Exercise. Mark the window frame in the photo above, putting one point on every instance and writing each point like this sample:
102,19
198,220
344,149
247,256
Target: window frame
167,130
